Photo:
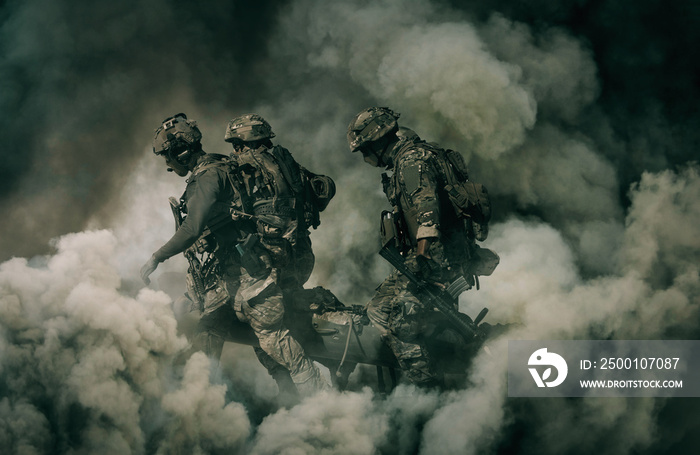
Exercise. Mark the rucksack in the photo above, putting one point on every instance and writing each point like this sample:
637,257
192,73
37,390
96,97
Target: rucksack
470,199
314,191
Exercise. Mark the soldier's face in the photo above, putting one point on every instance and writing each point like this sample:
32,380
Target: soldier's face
173,163
371,158
371,153
176,167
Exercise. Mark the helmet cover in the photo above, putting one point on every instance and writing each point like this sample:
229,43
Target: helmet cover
176,132
371,125
247,128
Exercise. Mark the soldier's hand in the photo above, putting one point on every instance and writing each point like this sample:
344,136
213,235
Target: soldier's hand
148,268
426,267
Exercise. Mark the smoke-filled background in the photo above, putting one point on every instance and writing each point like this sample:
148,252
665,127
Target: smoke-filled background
580,116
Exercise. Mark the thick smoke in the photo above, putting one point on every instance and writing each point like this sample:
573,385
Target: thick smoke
86,368
580,118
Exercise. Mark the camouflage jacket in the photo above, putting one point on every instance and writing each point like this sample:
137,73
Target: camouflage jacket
416,190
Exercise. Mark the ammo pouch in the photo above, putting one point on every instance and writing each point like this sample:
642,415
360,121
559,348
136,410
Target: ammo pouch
387,229
215,296
471,202
392,230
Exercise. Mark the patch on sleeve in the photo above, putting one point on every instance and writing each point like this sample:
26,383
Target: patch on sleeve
411,177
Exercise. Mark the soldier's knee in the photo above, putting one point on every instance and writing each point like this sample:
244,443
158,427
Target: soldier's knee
264,314
377,314
209,343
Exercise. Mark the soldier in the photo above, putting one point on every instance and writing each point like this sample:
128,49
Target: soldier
210,194
287,199
435,241
283,189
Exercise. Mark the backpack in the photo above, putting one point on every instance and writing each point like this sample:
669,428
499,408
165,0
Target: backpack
469,199
314,191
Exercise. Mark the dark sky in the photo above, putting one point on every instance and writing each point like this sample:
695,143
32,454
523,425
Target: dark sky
581,117
83,85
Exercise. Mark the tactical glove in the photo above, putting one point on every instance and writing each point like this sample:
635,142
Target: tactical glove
148,268
427,269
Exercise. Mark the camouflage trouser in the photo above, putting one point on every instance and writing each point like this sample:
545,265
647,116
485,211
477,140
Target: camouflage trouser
296,269
397,314
216,318
304,260
260,304
211,330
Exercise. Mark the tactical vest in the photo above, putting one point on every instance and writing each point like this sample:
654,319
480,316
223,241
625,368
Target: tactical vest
221,229
221,210
213,255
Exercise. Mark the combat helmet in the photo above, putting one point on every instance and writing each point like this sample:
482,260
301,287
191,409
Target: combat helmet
248,128
179,141
370,125
176,132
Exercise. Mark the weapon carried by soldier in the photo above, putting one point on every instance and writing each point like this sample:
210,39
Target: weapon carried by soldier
442,300
271,220
195,274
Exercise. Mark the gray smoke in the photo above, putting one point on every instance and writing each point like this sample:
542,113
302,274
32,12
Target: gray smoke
97,364
584,134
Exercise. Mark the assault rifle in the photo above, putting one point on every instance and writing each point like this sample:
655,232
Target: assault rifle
434,297
194,271
272,220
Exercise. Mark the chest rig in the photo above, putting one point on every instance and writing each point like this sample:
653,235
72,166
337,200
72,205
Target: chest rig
233,197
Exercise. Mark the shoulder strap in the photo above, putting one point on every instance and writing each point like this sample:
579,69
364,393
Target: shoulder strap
289,167
227,164
211,160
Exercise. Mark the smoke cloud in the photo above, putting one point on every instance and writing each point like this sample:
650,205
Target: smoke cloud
580,118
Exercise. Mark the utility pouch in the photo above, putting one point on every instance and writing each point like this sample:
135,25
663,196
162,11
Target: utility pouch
322,189
388,229
250,260
483,262
318,192
471,200
193,294
215,297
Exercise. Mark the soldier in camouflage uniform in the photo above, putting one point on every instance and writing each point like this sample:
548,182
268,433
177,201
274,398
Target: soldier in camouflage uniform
424,226
208,229
286,199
